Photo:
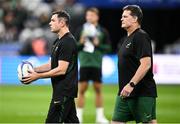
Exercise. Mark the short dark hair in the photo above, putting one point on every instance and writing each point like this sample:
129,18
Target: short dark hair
135,11
93,9
63,14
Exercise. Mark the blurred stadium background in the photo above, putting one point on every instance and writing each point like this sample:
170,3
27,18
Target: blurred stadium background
25,35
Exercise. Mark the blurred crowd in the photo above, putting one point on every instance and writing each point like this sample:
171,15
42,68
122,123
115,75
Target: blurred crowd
24,26
26,22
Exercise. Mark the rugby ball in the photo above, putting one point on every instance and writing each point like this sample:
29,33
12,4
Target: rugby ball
23,69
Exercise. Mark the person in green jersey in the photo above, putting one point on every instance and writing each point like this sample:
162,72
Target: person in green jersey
93,43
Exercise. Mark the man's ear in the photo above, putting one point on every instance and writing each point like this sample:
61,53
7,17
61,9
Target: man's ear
135,18
62,23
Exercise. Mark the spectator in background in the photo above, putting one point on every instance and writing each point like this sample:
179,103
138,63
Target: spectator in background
9,23
37,47
32,30
13,16
93,44
77,11
22,20
33,39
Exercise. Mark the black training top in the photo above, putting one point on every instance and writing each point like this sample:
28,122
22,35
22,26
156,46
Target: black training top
65,49
135,47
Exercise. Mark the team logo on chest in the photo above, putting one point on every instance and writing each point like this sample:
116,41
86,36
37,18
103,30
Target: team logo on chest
128,45
56,48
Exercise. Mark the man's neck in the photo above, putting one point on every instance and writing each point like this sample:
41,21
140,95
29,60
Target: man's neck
95,24
62,32
131,29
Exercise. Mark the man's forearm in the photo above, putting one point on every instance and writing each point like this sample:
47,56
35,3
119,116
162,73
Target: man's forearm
142,70
52,73
140,73
43,68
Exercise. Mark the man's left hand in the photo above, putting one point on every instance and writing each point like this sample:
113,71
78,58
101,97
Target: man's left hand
31,77
126,91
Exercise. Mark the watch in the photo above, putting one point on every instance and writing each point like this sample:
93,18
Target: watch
132,84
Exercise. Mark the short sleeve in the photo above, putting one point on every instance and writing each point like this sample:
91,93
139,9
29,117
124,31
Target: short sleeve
66,51
142,46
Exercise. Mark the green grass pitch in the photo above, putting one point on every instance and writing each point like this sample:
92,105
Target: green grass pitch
29,104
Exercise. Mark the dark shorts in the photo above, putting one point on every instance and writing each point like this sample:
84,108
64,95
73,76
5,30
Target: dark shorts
140,109
62,111
90,73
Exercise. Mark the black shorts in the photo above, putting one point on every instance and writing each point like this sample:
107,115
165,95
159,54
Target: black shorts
90,73
61,111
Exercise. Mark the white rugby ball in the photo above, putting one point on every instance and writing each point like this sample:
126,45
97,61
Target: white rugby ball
23,69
